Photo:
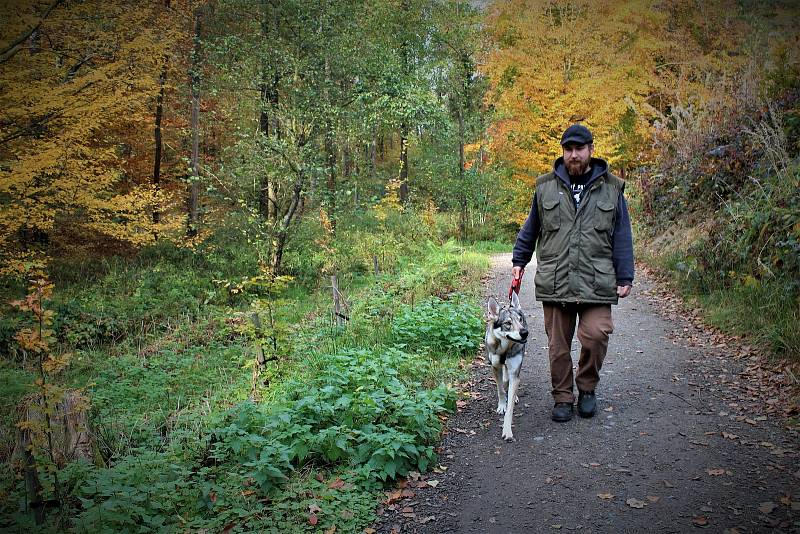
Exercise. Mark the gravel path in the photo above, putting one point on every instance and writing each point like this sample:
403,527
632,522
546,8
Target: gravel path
671,449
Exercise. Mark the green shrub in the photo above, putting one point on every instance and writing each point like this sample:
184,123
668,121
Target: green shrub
365,410
439,325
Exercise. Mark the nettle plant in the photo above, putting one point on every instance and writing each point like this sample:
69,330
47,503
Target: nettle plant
439,325
364,410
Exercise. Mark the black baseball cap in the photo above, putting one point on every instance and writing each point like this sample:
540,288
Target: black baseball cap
577,134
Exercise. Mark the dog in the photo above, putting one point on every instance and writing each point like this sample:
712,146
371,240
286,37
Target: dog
506,335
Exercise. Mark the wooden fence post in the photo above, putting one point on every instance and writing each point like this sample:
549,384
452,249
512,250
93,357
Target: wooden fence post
337,301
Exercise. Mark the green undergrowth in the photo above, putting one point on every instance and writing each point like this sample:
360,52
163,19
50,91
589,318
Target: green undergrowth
765,311
188,436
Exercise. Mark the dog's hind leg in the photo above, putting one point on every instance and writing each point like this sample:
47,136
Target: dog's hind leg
514,365
498,379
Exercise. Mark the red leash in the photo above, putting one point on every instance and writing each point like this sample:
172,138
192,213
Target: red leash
516,283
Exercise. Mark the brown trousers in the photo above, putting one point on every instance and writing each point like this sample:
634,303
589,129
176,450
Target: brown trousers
594,327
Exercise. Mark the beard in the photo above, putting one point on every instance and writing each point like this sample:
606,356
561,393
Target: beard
576,168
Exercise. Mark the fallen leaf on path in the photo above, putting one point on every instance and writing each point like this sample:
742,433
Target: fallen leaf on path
427,519
407,494
668,484
605,496
407,510
635,503
700,521
715,472
728,435
370,531
433,483
653,498
392,496
767,507
609,409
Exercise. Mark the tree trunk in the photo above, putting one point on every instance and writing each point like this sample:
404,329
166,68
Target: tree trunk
282,233
194,79
403,177
268,125
162,78
373,154
462,194
330,153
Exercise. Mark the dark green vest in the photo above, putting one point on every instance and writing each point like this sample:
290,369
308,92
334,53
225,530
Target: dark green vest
574,250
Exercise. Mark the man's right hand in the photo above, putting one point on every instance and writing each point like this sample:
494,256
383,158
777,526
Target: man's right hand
516,272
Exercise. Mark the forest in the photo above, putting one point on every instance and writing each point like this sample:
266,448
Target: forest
242,241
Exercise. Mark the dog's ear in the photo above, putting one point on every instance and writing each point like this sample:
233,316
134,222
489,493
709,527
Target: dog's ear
492,309
514,300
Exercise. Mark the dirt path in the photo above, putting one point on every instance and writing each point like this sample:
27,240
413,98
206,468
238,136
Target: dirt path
671,449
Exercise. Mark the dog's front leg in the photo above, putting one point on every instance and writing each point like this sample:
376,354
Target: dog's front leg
514,366
497,371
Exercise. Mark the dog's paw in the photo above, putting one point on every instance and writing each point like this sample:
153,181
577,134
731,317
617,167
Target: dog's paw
501,409
508,436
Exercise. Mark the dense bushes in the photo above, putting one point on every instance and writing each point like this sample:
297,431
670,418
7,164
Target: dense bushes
728,171
439,324
365,410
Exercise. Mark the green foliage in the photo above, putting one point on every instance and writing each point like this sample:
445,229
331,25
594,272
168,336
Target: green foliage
440,325
364,410
143,493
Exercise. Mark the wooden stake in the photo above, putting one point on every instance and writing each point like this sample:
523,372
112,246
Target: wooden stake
337,302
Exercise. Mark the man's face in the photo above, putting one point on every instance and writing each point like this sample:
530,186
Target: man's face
576,158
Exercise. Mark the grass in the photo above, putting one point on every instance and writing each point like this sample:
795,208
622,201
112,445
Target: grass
765,311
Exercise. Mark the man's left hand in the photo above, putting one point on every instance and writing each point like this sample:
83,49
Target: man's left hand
623,291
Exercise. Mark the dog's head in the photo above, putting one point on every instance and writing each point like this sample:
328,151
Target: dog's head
507,321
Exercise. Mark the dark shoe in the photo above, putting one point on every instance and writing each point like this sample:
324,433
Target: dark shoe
587,403
562,412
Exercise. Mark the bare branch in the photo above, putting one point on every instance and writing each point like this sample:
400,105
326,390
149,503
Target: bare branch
16,44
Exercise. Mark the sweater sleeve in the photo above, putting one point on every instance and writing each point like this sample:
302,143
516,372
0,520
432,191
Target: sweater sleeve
526,238
622,253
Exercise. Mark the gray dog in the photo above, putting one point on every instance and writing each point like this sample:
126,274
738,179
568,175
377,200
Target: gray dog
506,334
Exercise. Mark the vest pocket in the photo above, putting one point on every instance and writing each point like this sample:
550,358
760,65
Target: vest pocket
604,218
605,280
545,279
551,218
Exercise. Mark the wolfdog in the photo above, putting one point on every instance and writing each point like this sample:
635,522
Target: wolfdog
506,334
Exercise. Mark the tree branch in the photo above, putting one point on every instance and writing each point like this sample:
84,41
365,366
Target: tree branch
16,44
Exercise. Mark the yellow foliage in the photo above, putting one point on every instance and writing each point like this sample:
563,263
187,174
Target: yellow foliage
390,203
67,101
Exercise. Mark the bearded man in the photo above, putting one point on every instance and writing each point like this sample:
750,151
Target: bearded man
581,232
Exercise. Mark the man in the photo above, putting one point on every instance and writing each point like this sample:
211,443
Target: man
579,227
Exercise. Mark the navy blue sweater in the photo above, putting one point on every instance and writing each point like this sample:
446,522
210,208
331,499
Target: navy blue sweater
622,252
